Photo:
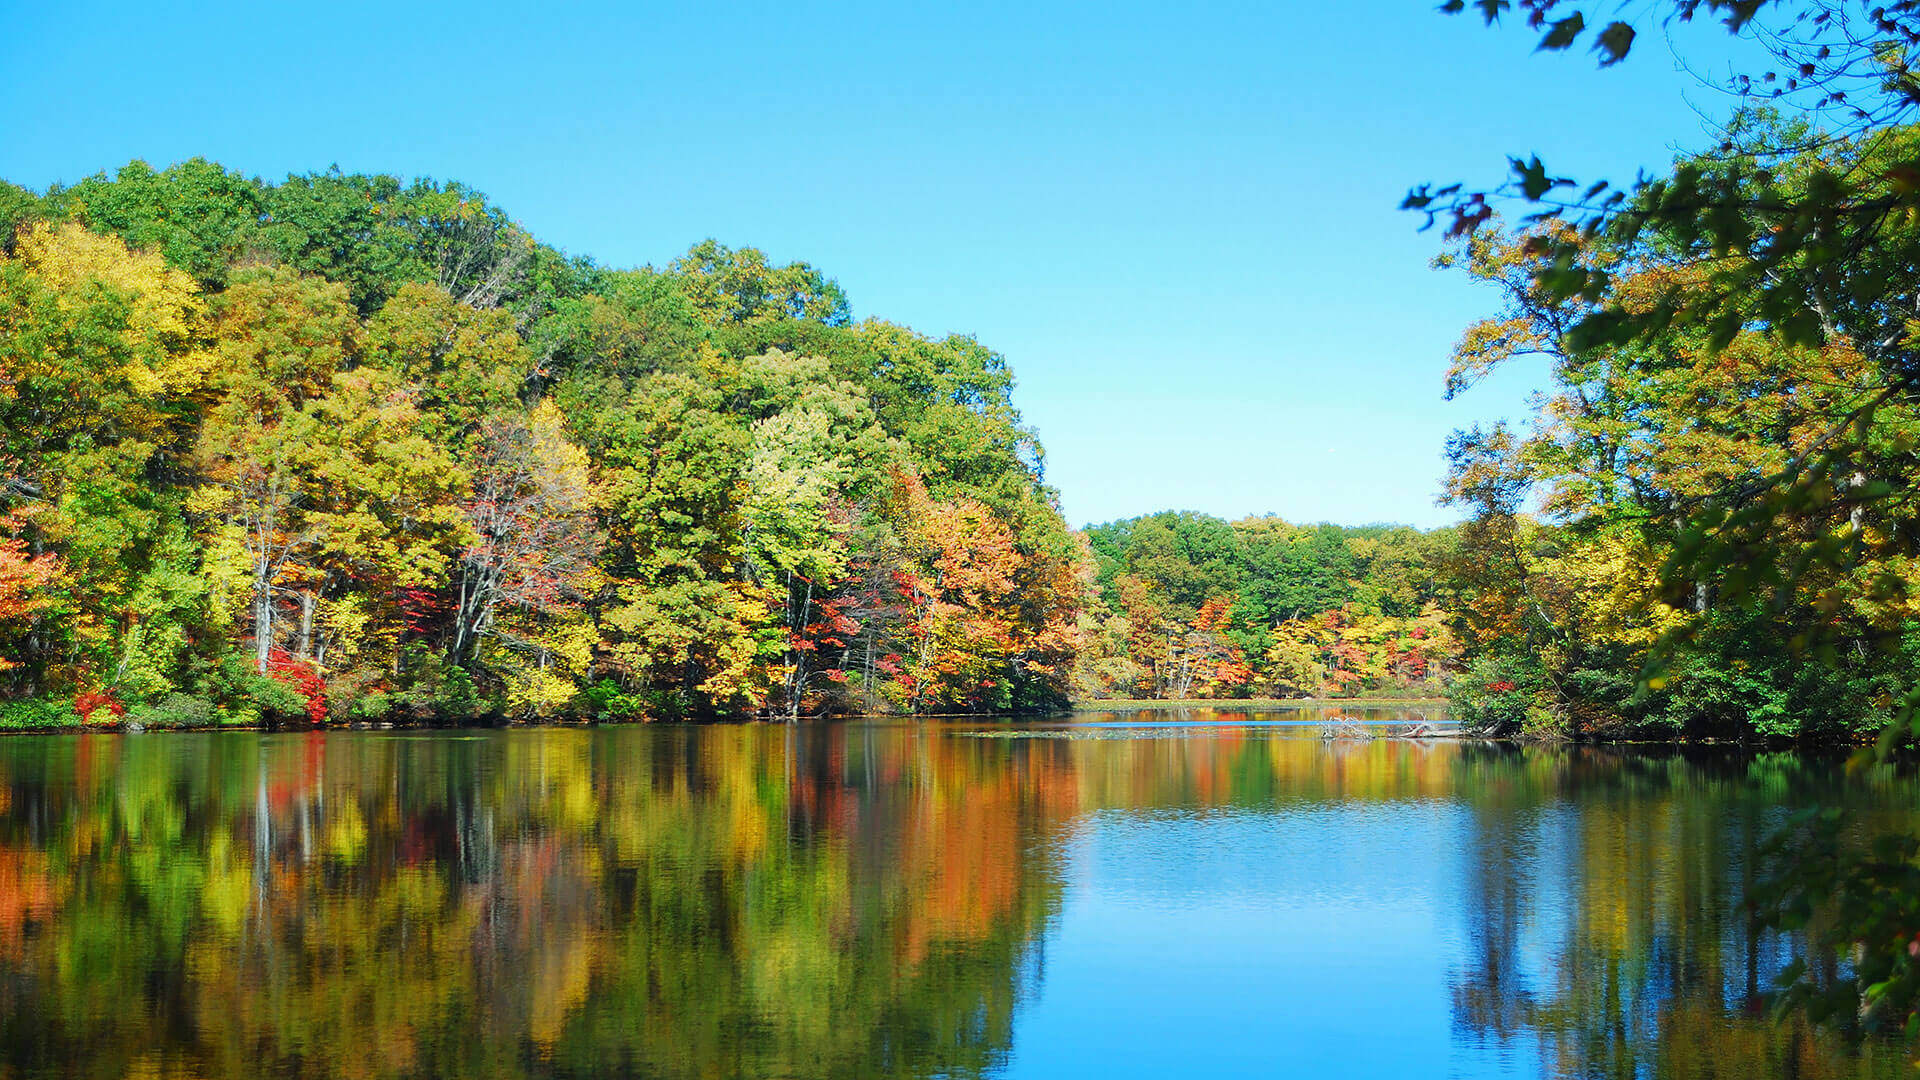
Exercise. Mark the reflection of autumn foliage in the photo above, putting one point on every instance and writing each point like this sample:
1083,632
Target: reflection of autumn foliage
766,900
347,907
26,896
968,845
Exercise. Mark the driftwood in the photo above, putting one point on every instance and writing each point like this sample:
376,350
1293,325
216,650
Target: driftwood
1347,727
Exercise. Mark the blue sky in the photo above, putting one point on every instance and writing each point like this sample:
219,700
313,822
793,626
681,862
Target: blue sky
1177,222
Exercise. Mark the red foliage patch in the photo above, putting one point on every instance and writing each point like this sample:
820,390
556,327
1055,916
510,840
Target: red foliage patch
420,608
86,704
303,679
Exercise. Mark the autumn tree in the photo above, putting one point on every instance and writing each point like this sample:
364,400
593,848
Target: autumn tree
531,514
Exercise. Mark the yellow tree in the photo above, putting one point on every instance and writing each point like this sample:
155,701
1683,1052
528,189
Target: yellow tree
534,541
101,358
282,337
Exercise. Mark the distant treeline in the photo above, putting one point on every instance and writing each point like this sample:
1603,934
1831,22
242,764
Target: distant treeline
1188,605
348,447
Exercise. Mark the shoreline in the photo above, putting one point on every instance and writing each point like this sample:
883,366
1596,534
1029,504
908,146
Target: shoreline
1259,704
1450,735
1012,722
120,726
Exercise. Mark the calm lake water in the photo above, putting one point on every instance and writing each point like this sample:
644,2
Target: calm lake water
1117,897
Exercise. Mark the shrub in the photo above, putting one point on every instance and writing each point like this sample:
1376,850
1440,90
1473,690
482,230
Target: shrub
99,701
300,676
373,705
430,688
36,713
176,711
456,698
605,700
1502,696
276,699
359,694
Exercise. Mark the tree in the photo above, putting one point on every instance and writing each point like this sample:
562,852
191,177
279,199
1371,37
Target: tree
281,339
532,516
383,503
101,359
199,217
469,363
817,456
739,286
252,499
958,588
675,623
367,431
1796,228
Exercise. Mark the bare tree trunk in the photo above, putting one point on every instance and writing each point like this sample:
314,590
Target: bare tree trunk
304,646
262,620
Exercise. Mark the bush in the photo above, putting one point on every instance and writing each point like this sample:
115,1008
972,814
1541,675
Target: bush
176,711
1744,680
373,705
430,688
276,699
1503,696
605,700
456,698
359,694
228,684
37,713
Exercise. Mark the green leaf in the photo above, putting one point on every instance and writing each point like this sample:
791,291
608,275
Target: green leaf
1613,43
1534,181
1563,32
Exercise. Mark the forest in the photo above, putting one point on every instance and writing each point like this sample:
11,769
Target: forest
1707,528
353,448
1186,605
348,448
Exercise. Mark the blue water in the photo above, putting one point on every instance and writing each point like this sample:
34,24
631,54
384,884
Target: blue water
1186,894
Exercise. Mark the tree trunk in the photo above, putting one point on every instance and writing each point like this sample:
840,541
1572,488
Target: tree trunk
262,616
304,647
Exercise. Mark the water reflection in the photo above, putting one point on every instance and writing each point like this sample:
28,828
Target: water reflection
889,900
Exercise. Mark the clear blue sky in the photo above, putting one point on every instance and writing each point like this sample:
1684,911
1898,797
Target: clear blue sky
1176,221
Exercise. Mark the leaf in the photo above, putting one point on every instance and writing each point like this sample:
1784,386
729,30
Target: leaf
1563,32
1614,42
1534,181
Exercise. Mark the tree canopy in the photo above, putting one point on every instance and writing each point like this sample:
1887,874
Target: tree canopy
360,447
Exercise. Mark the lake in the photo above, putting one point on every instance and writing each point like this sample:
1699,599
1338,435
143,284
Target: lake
1126,895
